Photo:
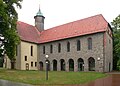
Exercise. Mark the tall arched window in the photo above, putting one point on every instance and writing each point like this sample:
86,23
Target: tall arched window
51,48
68,46
43,49
59,48
91,64
78,45
31,50
89,43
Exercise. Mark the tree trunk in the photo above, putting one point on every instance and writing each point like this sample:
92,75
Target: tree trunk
13,64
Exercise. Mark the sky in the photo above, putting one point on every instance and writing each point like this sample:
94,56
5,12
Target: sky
58,12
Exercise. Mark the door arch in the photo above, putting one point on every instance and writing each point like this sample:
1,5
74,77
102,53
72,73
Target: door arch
71,65
41,65
62,63
91,64
80,64
54,65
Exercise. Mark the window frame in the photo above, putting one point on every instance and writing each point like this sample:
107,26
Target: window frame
78,45
31,64
51,48
31,50
25,58
68,46
89,43
59,47
43,49
35,64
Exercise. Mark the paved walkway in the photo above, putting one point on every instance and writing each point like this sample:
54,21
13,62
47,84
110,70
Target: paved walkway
9,83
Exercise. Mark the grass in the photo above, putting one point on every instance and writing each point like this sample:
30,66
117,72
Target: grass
55,78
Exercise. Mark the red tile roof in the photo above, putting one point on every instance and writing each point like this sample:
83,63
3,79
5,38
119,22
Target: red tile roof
28,32
85,26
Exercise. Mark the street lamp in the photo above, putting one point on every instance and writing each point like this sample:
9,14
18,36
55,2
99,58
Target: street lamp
98,58
46,56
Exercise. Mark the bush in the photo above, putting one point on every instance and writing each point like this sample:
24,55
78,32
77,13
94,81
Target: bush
118,65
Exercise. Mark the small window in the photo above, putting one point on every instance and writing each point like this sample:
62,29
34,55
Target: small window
43,49
25,58
59,48
89,43
35,64
68,46
31,64
51,48
31,50
78,45
109,41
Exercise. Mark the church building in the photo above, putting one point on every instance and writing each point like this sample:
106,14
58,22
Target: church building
82,45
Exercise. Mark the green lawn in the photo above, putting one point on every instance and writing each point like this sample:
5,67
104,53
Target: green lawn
38,77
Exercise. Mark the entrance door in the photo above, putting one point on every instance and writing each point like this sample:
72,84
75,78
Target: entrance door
80,64
109,67
62,62
91,63
54,65
27,66
41,66
71,65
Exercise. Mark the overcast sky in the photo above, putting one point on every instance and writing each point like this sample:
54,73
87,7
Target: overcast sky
58,12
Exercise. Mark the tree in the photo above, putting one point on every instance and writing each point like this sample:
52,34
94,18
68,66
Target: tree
8,30
116,41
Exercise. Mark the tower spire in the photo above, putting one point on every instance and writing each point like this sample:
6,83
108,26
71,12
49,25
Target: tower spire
39,20
39,13
39,8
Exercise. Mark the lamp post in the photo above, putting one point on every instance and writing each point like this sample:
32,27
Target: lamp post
46,56
98,63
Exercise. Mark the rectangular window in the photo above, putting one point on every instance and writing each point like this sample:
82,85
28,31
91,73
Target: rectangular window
31,64
25,58
31,50
43,49
35,64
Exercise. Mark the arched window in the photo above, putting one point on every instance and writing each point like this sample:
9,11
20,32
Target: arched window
62,63
78,45
51,48
89,43
41,65
59,48
68,46
80,64
71,65
43,49
54,65
91,64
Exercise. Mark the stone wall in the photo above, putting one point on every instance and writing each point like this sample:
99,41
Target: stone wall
84,53
108,52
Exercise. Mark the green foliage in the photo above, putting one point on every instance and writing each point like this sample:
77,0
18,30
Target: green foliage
118,65
9,16
116,41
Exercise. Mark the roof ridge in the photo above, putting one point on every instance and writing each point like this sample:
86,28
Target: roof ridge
75,21
25,23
